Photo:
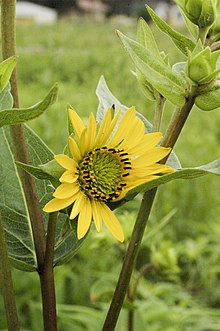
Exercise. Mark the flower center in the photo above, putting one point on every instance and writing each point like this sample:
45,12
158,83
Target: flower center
102,172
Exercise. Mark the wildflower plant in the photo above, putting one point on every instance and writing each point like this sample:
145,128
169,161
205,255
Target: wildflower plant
105,164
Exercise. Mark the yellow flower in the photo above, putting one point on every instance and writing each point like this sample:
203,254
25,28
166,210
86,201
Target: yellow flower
105,164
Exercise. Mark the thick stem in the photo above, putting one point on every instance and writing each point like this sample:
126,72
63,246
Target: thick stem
129,261
174,128
177,122
8,49
47,278
7,284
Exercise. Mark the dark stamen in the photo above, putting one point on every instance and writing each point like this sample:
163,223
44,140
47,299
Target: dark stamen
125,175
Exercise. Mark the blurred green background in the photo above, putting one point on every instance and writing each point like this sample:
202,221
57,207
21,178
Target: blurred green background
181,289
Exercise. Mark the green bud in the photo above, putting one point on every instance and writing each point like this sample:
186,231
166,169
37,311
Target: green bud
199,12
201,65
193,9
210,100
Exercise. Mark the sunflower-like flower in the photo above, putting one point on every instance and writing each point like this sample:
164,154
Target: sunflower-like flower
105,163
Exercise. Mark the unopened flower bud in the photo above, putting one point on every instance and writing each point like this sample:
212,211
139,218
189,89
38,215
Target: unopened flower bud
201,65
199,12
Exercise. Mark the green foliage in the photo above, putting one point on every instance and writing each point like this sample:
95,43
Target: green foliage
157,72
20,115
183,43
6,68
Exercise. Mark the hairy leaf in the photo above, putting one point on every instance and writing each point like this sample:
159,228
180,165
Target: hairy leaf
167,82
6,68
6,100
20,115
183,43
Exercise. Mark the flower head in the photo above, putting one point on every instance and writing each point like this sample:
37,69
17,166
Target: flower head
199,12
105,164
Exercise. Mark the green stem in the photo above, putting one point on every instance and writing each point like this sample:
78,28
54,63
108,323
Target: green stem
44,252
47,278
177,122
174,128
6,284
8,49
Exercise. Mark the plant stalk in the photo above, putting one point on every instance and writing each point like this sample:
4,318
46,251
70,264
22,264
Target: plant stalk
174,128
47,278
8,9
7,284
44,251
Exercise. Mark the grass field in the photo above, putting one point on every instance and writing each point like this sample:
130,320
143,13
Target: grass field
182,290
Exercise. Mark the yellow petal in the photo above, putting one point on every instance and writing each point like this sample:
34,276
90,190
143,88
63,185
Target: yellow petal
111,222
134,135
69,177
96,215
83,143
147,142
78,205
84,219
146,171
66,190
106,127
77,123
152,156
58,204
65,161
138,181
74,149
124,126
91,132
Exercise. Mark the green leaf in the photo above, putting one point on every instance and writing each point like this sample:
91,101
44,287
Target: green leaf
52,168
67,243
15,217
145,38
20,115
193,29
184,173
34,171
6,68
183,43
167,82
6,100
